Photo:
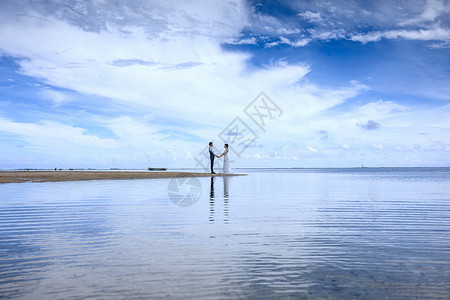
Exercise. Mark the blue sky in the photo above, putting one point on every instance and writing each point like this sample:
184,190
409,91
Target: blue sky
149,83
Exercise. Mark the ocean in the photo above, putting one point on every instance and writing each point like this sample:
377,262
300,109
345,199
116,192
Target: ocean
359,233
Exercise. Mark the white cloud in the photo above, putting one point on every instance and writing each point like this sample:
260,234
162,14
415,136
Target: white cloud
272,44
433,9
310,16
378,146
136,133
327,34
53,134
285,31
434,34
378,110
263,24
443,45
286,41
297,43
56,97
312,149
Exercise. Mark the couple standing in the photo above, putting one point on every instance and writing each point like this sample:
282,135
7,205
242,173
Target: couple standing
226,163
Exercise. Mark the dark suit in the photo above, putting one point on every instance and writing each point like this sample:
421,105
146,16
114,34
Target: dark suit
211,157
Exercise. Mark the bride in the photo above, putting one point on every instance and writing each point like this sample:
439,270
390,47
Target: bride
226,163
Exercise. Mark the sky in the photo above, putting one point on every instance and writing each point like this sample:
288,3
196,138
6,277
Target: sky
137,84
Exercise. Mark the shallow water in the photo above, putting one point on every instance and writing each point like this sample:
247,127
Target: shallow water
312,234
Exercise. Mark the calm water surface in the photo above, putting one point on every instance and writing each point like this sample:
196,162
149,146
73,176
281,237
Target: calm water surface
274,234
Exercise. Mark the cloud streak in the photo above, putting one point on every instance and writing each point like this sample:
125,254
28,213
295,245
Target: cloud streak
435,34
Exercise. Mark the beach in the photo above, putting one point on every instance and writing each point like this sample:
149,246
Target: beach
51,176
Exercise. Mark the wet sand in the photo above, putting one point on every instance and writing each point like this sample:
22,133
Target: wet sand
46,176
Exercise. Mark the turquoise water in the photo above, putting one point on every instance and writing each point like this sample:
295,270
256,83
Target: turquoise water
305,233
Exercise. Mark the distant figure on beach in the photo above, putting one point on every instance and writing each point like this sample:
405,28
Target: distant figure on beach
212,155
226,163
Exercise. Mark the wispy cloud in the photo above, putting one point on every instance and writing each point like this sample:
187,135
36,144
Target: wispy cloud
285,41
435,34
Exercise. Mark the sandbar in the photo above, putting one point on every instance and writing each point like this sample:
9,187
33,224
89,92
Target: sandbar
50,176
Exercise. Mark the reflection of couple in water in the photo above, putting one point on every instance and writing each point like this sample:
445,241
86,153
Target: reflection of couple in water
226,164
212,199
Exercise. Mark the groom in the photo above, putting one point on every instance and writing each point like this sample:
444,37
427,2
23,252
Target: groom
211,157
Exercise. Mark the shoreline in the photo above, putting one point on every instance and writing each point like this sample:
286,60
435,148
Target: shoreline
53,176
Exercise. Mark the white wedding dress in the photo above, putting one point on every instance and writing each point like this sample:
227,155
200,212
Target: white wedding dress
226,164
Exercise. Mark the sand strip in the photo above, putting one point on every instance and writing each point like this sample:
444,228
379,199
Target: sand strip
46,176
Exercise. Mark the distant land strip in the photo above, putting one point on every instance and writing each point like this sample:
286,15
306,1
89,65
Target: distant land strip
49,176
